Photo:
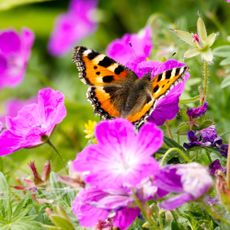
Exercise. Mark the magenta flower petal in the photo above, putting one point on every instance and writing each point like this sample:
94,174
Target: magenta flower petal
93,205
14,54
131,47
150,138
89,215
10,42
176,201
9,142
121,157
36,120
190,181
125,217
72,26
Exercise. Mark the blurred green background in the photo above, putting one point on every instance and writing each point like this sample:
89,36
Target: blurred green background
115,17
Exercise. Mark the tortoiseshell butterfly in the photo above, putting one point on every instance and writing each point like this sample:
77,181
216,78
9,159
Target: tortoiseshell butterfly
116,91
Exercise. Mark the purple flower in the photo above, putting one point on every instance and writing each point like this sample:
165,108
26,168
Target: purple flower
119,165
72,26
198,111
216,166
189,181
13,106
14,54
133,50
33,123
206,137
93,205
121,157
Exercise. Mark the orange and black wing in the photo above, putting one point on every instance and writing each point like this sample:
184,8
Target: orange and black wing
161,85
101,73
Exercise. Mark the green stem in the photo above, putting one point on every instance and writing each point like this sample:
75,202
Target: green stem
56,151
189,100
150,220
181,153
168,130
205,81
208,156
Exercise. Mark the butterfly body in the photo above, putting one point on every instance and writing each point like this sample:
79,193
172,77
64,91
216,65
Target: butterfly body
116,91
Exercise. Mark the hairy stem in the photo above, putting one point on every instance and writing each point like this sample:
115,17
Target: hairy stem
205,81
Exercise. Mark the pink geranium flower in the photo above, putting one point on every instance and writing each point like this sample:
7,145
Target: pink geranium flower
72,26
121,157
33,123
118,165
14,54
133,50
13,106
186,182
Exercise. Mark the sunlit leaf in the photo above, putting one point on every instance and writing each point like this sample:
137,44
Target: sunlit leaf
222,51
185,36
225,83
201,29
7,4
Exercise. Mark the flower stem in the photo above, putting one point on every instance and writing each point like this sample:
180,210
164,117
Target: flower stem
189,100
56,151
228,166
205,81
181,153
168,130
149,219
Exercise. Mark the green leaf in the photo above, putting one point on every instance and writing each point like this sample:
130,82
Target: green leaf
222,51
211,39
226,61
185,36
7,4
183,128
5,207
62,223
201,29
191,53
171,143
225,83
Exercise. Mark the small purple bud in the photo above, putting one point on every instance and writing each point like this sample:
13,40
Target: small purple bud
197,111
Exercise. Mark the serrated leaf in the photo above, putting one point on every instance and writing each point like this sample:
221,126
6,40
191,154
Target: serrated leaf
5,208
225,83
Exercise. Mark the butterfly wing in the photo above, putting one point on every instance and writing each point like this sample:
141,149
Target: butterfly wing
160,86
107,80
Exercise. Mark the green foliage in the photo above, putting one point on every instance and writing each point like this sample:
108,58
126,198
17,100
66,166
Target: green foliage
7,4
15,214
